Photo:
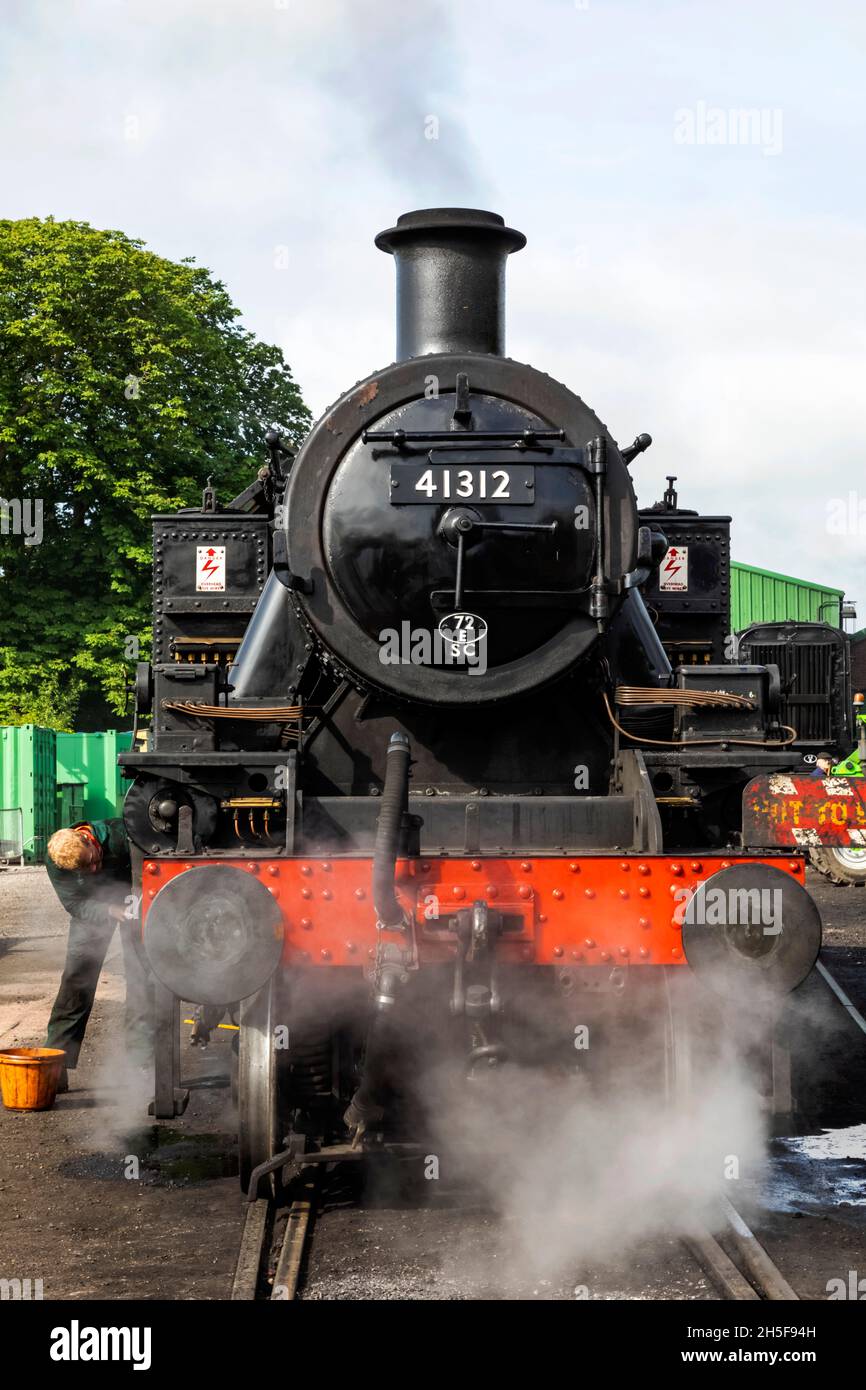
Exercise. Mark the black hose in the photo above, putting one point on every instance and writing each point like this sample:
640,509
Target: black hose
367,1105
394,801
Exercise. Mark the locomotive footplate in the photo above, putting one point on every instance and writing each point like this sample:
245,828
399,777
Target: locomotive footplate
550,910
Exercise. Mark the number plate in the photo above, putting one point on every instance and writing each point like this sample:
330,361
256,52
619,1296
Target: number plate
441,482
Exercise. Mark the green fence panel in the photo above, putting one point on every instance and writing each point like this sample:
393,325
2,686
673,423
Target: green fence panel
28,758
90,760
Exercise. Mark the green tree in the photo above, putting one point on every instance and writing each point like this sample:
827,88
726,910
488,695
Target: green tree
125,382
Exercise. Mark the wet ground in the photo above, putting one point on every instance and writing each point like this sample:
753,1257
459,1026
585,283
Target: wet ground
99,1202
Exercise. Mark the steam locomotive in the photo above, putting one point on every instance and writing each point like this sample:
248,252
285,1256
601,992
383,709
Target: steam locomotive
426,770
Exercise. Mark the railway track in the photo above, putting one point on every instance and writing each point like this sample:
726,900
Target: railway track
758,1278
851,1010
272,1252
275,1244
276,1234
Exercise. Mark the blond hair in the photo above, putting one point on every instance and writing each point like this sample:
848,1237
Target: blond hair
68,850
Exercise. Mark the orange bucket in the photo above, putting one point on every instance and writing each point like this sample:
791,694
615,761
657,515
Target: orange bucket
29,1077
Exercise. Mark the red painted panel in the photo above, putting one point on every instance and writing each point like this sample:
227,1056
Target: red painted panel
575,910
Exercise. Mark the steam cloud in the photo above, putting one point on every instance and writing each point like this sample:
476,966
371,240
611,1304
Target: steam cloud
397,66
579,1174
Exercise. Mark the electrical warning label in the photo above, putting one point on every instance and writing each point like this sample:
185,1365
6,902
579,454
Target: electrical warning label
674,570
210,568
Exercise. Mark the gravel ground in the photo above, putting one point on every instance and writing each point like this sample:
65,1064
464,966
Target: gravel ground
95,1199
99,1202
451,1252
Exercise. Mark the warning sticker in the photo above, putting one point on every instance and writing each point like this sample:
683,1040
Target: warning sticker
674,570
210,568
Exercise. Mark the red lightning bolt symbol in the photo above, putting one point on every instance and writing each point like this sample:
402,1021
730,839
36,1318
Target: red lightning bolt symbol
210,565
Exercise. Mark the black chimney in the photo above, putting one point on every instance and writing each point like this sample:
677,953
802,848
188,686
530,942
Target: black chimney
450,280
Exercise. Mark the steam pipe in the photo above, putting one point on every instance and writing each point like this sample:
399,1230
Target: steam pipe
450,280
394,800
367,1104
264,655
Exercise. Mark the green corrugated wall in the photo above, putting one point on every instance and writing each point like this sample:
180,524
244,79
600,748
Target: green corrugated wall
90,760
57,778
28,758
761,596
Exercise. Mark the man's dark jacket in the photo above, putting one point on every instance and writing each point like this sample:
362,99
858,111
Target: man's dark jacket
89,896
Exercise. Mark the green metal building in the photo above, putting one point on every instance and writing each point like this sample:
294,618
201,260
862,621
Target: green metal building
28,791
762,596
48,780
88,773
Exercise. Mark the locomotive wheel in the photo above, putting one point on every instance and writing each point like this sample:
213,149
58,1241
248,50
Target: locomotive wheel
845,867
260,1131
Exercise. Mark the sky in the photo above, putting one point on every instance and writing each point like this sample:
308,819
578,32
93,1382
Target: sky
690,178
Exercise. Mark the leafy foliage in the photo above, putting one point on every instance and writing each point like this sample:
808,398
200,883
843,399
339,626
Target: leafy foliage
125,382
